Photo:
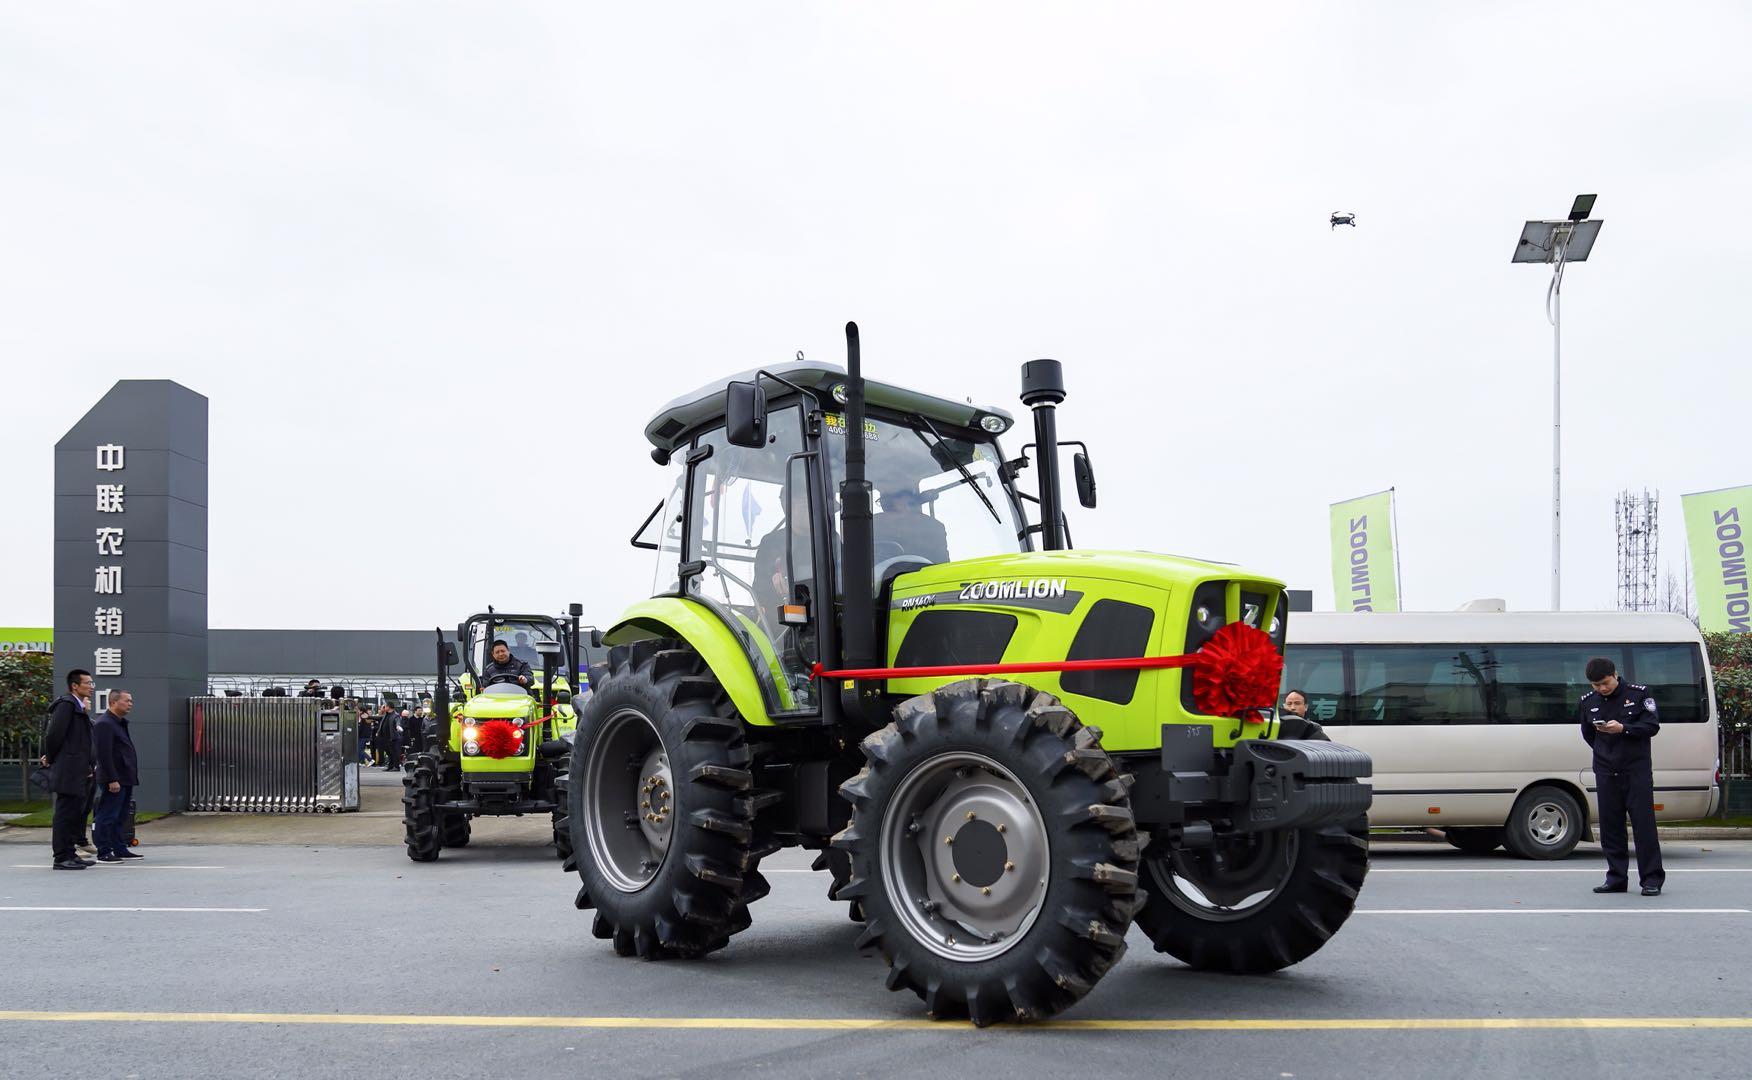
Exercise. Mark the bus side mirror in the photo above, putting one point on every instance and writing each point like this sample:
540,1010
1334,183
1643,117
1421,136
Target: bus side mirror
745,415
1085,474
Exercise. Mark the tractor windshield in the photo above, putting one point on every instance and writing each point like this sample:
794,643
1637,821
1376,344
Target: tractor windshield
940,495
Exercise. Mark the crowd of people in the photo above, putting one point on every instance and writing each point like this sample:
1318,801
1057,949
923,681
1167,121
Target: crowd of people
386,732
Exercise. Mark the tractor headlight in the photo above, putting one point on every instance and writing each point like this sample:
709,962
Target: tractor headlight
469,749
993,424
470,734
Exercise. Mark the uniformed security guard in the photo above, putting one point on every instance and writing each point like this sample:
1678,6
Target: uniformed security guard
1618,719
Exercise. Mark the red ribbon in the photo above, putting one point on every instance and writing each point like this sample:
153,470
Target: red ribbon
1235,673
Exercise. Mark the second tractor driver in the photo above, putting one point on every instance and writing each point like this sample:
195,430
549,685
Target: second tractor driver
503,663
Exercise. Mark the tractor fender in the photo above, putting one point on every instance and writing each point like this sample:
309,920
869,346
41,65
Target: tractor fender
706,634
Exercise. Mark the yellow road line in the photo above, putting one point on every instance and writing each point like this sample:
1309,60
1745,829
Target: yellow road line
755,1023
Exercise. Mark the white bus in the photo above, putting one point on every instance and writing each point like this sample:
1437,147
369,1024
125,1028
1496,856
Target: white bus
1471,716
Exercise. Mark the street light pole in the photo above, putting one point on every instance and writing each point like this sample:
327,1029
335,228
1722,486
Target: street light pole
1556,313
1558,243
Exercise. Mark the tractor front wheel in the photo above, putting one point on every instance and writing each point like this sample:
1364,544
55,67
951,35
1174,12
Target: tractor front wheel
993,850
420,820
661,806
1255,903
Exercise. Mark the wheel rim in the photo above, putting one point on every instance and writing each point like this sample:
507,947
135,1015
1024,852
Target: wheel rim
629,805
1227,884
1548,823
966,858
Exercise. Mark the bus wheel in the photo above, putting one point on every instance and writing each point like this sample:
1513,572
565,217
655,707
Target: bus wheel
1476,841
1546,823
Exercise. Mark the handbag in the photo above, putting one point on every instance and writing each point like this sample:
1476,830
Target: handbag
42,779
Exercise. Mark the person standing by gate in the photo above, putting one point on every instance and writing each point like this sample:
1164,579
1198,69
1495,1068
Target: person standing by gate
1618,719
67,753
117,769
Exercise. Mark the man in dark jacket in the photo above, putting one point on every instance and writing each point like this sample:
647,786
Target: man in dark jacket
504,663
67,753
1618,719
117,770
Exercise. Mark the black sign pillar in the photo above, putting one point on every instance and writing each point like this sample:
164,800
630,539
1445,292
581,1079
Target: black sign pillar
131,567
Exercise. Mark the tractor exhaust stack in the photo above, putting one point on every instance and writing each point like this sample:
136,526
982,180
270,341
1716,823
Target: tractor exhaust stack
1043,387
858,550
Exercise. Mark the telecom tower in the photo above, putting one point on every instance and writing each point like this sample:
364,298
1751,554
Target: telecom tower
1639,550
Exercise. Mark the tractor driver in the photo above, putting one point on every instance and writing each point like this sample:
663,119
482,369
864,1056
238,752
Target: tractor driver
503,663
903,523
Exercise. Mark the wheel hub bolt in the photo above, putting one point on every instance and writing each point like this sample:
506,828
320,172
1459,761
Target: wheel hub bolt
955,878
1010,867
985,890
1000,828
948,839
971,815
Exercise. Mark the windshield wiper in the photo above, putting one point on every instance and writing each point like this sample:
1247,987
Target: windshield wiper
959,467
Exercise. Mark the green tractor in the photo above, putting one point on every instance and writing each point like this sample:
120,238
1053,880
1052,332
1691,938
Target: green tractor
859,644
500,743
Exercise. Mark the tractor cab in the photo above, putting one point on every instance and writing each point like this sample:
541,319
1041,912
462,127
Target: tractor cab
750,533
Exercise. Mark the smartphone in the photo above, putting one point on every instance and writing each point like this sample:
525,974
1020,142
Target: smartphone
1601,723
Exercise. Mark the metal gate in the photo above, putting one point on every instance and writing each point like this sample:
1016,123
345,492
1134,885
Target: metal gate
272,755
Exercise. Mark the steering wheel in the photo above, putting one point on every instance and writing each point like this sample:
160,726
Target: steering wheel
503,677
895,551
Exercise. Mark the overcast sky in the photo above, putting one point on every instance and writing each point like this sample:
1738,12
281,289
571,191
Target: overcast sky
415,252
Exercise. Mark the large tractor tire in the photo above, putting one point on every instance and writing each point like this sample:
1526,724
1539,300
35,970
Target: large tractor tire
661,806
423,832
562,824
993,850
456,829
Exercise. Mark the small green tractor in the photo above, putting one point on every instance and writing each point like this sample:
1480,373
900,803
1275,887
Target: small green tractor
498,742
858,644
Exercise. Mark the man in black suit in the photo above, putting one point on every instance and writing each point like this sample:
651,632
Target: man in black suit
117,769
67,753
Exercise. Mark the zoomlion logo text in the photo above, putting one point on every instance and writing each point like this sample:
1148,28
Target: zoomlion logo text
1039,589
1732,551
1362,592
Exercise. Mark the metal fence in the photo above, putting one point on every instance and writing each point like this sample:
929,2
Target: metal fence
18,756
272,755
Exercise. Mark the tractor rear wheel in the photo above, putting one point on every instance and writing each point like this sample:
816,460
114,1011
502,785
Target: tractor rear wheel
661,806
993,850
420,821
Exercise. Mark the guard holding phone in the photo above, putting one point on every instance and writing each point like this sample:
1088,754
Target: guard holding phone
1618,719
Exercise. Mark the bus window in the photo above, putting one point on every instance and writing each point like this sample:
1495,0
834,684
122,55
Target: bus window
1673,674
1317,671
1543,684
1420,684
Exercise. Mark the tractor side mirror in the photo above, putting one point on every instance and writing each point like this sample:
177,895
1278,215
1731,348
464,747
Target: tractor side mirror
1085,474
564,697
450,657
745,415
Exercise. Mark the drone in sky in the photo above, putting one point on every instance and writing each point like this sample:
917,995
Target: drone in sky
1343,217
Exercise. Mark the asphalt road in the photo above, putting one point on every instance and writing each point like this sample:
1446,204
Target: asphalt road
324,934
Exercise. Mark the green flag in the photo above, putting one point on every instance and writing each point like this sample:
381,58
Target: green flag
1365,571
1716,524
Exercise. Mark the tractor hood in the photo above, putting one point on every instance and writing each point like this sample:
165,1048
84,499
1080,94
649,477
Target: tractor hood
1038,575
498,707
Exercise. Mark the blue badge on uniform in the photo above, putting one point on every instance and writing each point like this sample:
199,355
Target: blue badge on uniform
1649,704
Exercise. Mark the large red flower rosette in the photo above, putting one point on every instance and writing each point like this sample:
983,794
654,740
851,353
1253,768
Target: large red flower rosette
499,739
1237,673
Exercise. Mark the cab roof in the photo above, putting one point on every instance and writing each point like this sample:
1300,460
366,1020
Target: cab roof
689,412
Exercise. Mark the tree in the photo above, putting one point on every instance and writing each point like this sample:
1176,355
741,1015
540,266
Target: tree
27,686
1730,655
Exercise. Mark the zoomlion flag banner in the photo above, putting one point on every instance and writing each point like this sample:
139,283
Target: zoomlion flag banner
1717,524
1365,573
